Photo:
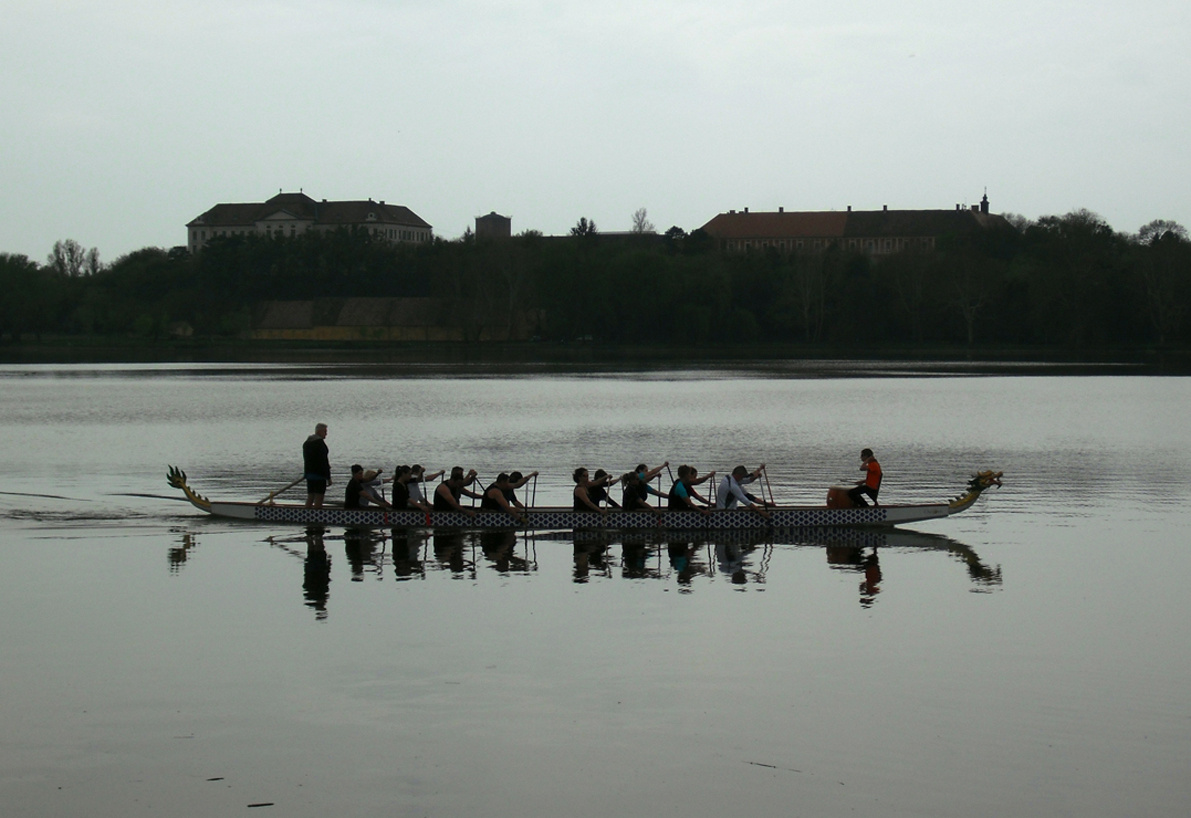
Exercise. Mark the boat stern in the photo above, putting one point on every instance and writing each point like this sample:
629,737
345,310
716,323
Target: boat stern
177,479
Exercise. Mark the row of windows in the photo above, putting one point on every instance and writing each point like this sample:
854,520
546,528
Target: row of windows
393,234
868,245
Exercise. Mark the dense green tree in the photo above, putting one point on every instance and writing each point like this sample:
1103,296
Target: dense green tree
25,306
1067,281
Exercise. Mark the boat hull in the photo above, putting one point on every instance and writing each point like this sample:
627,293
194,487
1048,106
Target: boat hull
559,519
550,519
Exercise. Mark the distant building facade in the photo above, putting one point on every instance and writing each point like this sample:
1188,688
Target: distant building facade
291,214
875,232
494,226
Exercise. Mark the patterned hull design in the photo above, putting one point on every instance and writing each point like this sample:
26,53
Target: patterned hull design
547,519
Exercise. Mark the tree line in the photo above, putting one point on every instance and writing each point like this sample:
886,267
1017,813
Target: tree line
1063,281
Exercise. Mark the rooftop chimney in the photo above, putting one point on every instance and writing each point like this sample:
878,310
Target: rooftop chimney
781,210
885,207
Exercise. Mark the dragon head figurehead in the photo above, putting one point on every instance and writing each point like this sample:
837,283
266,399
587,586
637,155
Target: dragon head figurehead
979,482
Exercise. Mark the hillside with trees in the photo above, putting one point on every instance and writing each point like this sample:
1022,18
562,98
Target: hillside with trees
1061,282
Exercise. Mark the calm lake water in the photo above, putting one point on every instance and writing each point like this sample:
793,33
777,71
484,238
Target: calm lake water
1027,657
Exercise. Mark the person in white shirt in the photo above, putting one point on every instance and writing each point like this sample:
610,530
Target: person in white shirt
732,493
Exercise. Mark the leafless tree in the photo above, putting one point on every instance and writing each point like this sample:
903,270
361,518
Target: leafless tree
641,222
1160,229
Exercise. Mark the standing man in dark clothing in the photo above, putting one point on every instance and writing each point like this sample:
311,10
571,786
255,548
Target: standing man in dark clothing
317,465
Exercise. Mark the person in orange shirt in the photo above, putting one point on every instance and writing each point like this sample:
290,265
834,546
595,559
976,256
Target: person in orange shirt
871,484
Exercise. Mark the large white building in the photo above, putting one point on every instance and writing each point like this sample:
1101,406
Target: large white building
290,214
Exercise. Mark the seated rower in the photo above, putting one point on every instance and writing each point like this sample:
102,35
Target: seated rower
496,498
516,481
732,493
417,478
871,484
693,480
597,489
647,476
361,489
446,495
680,493
636,494
582,497
402,496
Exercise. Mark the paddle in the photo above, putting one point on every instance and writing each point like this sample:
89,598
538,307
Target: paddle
765,471
533,497
282,490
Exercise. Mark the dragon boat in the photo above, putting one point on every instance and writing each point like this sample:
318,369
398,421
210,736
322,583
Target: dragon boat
558,518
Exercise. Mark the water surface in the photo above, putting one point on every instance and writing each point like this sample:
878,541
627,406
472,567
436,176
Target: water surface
1021,658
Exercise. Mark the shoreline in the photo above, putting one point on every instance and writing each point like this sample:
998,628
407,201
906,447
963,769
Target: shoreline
596,356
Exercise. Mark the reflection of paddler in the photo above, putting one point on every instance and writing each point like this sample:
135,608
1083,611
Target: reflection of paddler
448,549
406,548
636,555
498,547
359,543
872,580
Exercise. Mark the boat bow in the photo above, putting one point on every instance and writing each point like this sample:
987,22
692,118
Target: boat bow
979,482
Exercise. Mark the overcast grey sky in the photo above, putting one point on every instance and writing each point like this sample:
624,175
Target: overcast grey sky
124,120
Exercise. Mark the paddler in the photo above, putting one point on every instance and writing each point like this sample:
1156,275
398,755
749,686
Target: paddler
732,491
583,500
402,497
646,475
496,498
448,492
680,493
516,481
361,489
636,494
693,479
417,477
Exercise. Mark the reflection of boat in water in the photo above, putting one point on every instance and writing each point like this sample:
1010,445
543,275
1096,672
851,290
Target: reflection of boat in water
847,548
554,519
742,560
